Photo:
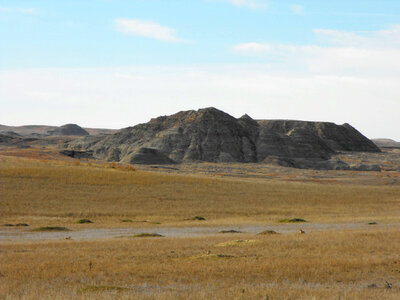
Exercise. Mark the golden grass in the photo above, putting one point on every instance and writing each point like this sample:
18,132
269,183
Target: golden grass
58,193
325,265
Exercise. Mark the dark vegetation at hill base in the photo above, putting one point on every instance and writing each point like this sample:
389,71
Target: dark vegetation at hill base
211,135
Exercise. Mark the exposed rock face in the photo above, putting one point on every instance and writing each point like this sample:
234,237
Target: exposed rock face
12,139
150,156
214,136
10,133
69,129
303,163
77,154
8,139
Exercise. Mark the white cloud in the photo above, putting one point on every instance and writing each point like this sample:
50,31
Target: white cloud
147,29
297,9
253,48
254,4
30,11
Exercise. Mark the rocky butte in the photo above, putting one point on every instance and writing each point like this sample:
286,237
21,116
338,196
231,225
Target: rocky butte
69,129
212,135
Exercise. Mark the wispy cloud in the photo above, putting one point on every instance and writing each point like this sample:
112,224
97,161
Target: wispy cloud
254,4
147,29
29,11
339,52
386,38
297,9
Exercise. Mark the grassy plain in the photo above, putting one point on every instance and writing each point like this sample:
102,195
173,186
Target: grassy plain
46,191
59,193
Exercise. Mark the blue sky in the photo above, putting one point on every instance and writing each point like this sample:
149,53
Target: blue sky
116,63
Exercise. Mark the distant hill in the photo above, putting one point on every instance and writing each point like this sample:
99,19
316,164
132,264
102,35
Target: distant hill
43,130
214,136
28,129
386,143
68,129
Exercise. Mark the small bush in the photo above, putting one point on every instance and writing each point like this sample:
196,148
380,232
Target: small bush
51,228
145,234
18,224
230,231
127,221
294,220
83,221
199,218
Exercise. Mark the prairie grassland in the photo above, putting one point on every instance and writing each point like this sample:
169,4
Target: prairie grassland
58,193
329,265
320,265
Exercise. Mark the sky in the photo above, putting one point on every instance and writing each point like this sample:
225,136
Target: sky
117,63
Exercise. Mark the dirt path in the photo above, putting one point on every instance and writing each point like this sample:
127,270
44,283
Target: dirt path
12,235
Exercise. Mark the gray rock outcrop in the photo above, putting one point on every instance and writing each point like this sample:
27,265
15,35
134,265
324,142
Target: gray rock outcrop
214,136
12,139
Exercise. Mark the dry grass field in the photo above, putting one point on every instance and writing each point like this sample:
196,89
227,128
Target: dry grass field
333,265
44,190
52,193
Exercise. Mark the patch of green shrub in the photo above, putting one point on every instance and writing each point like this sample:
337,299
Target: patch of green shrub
127,221
83,221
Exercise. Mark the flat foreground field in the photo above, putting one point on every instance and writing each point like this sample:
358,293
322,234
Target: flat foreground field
331,264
